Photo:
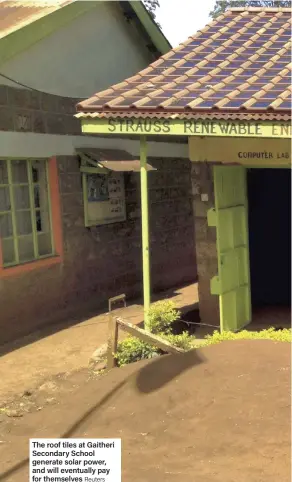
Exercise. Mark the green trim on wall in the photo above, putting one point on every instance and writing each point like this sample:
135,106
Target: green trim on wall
145,230
20,40
14,210
154,32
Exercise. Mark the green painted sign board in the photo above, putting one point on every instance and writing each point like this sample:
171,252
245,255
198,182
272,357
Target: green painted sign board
180,127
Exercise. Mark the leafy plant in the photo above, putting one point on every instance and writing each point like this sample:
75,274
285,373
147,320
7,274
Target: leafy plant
151,6
184,340
162,315
132,349
284,335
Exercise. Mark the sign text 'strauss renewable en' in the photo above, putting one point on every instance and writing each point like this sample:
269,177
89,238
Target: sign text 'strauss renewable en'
187,127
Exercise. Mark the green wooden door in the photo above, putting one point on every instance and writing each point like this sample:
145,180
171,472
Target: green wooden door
230,218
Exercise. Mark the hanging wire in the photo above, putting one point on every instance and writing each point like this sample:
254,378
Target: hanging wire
198,323
40,91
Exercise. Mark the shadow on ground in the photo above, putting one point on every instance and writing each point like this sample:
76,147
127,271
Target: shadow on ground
66,319
150,377
164,369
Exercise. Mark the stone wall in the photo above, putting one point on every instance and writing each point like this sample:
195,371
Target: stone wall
107,260
205,241
104,261
24,110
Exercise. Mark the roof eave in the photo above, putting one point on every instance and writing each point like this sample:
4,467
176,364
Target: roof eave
170,114
24,37
155,33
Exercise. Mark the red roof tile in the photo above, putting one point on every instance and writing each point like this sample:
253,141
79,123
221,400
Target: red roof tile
240,63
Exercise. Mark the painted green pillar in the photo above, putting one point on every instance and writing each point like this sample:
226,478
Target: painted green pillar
145,229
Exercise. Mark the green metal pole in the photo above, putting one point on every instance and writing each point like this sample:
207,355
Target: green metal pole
145,230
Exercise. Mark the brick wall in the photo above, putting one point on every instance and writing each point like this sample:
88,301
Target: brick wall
106,260
23,110
205,241
102,261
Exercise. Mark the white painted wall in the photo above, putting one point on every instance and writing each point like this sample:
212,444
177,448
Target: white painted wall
91,53
94,51
28,144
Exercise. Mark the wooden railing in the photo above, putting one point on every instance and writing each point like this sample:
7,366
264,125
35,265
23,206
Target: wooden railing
116,323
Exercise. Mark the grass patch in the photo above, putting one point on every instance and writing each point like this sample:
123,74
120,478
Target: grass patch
284,335
163,315
132,349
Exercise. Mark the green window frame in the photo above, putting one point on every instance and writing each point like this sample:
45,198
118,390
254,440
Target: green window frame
25,211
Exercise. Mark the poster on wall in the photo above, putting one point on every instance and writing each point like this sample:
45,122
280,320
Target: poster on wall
105,198
97,187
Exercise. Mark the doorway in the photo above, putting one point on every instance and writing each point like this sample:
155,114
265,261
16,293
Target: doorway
269,219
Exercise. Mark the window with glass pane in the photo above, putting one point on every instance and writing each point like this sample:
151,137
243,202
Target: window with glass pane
25,217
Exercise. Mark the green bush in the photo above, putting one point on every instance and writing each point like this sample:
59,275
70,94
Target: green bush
184,340
162,315
132,349
268,334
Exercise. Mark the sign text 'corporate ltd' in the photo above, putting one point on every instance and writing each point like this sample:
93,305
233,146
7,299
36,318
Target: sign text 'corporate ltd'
189,127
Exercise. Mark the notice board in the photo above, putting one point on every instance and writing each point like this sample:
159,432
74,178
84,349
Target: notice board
104,198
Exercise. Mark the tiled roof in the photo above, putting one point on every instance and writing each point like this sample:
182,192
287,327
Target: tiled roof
15,14
239,64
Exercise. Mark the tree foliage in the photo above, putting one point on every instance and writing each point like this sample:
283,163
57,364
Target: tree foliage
151,6
222,5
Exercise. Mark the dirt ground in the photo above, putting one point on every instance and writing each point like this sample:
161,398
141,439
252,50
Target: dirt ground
67,347
219,413
60,350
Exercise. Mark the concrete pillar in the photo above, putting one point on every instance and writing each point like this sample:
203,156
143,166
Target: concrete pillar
205,238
